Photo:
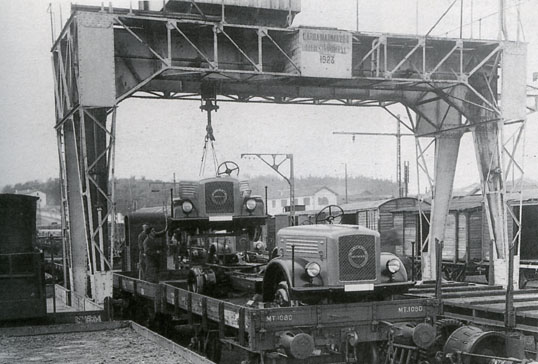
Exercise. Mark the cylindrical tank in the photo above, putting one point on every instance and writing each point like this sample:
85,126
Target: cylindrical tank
17,223
297,345
421,335
470,339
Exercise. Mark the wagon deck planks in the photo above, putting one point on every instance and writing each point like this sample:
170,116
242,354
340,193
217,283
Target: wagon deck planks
484,304
110,342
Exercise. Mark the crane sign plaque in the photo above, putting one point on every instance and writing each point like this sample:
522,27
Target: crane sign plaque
322,52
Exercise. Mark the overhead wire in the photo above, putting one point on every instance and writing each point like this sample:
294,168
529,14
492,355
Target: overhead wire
520,2
441,17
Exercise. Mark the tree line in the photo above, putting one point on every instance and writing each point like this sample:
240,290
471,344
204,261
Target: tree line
134,193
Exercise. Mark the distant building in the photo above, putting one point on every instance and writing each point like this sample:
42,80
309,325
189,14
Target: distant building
41,195
313,199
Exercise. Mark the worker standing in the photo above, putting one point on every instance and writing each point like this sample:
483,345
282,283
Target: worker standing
153,251
141,260
174,248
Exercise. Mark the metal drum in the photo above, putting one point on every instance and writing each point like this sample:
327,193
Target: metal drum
17,223
472,340
22,283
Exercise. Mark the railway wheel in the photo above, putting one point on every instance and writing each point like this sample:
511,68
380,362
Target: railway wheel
213,347
282,295
195,280
367,353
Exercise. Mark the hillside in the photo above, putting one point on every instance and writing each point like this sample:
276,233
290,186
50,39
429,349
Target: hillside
357,186
134,193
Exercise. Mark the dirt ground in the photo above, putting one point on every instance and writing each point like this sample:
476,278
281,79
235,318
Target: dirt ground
108,346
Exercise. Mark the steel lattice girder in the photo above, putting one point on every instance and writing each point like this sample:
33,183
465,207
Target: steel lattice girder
103,57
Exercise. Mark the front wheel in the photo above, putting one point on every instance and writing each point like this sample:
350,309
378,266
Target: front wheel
282,295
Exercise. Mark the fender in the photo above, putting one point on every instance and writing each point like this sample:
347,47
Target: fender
385,277
279,270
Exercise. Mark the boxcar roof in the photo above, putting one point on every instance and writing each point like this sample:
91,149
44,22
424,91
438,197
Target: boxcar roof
324,230
473,202
371,204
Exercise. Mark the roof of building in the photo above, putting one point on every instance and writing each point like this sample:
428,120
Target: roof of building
526,184
299,192
28,191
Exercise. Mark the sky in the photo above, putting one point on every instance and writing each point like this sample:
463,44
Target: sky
156,139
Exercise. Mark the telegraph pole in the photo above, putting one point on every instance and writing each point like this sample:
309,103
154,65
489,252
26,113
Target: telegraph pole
271,160
346,179
399,157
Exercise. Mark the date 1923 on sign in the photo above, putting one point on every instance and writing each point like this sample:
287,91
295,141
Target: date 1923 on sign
326,58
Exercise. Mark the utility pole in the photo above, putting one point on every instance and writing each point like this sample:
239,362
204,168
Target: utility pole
399,157
357,14
271,160
398,136
416,17
406,179
266,205
346,179
503,34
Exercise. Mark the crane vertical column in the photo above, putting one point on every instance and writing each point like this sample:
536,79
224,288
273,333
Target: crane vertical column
439,113
85,95
446,156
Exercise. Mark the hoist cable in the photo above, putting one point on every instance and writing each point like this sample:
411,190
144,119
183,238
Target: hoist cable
209,137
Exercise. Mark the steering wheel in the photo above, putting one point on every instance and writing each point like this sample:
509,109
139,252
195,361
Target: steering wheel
331,214
307,222
227,167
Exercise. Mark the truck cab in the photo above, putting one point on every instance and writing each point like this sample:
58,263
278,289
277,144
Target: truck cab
221,202
331,262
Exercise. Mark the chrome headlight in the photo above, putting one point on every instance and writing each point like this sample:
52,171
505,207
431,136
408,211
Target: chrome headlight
186,206
394,266
312,269
250,204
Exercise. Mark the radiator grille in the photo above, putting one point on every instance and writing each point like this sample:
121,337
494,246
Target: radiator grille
302,246
357,258
187,189
219,197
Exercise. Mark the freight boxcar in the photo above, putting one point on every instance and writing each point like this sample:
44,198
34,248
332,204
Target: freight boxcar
466,246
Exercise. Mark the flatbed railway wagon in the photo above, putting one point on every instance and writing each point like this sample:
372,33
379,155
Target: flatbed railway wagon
351,332
327,295
301,307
